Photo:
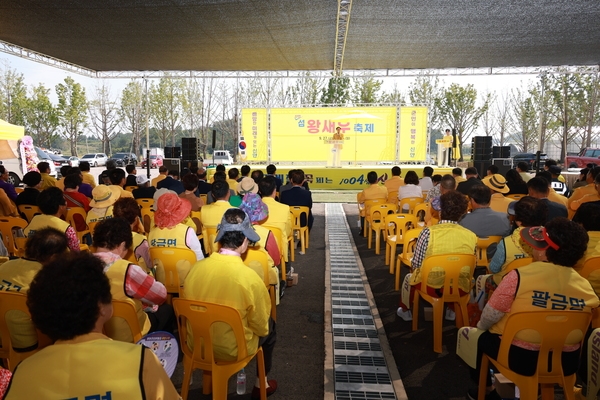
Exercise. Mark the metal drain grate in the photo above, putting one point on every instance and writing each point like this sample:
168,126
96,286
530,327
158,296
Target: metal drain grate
360,369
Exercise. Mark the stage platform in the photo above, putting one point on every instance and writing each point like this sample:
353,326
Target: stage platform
346,177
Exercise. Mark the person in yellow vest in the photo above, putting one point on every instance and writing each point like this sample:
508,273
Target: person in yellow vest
258,211
373,191
588,216
395,181
129,210
457,174
447,237
129,282
213,212
162,174
498,186
170,229
117,179
88,178
588,197
549,283
53,206
224,278
279,214
42,247
103,199
96,366
527,212
48,181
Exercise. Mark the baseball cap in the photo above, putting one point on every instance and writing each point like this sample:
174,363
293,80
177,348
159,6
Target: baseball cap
141,179
538,238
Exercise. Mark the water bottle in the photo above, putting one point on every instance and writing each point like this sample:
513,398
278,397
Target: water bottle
241,382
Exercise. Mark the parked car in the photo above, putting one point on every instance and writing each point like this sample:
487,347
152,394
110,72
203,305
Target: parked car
43,156
155,161
59,161
74,161
95,159
585,157
529,158
123,159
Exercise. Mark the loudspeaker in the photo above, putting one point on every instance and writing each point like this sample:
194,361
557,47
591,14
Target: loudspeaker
189,148
214,138
501,152
172,152
173,164
503,164
481,167
481,148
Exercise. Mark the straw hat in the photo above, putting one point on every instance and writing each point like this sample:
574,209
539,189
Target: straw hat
103,196
247,185
497,183
171,210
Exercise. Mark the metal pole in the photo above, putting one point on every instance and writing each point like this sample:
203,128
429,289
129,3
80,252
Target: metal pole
147,134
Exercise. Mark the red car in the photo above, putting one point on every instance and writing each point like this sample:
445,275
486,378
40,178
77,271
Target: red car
155,161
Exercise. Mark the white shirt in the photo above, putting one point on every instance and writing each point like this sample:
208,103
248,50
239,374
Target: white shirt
426,183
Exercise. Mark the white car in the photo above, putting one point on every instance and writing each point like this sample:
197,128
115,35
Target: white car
95,159
74,161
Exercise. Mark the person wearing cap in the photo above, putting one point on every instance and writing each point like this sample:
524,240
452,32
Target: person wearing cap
117,181
279,214
144,190
33,182
171,182
575,204
472,180
527,212
169,229
258,211
190,184
559,186
498,186
163,171
549,283
446,237
102,202
298,196
538,188
53,206
224,278
482,220
213,212
129,282
128,209
70,301
47,179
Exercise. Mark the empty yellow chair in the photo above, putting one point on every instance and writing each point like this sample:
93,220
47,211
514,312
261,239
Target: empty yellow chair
9,227
396,225
411,202
297,212
199,317
376,223
453,266
366,211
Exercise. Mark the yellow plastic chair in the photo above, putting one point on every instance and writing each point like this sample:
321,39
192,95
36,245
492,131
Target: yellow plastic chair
278,235
515,196
482,245
297,212
204,197
209,233
199,316
11,301
171,265
395,226
145,203
8,226
452,265
147,215
367,206
411,202
254,256
130,188
71,219
554,327
19,189
376,223
393,197
196,216
92,226
29,211
126,311
518,263
409,240
590,265
422,212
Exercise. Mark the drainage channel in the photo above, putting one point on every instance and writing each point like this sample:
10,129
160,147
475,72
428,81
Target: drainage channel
360,368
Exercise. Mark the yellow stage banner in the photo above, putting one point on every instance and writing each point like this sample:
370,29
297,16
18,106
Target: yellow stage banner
368,134
253,143
413,134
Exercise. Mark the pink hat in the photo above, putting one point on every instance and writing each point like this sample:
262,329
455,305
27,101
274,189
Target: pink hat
171,210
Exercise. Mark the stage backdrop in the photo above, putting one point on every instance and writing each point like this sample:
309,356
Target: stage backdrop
303,135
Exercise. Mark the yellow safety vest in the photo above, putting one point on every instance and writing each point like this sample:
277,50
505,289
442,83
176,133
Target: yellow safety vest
99,369
545,286
94,217
42,221
447,239
165,237
514,249
117,328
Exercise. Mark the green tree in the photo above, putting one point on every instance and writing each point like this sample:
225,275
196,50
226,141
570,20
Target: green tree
337,92
104,115
541,100
566,95
524,119
394,96
306,92
72,110
165,106
13,96
366,90
426,91
41,117
132,112
590,117
457,108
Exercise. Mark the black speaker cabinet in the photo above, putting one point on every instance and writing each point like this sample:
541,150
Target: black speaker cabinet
503,164
189,148
172,152
482,167
173,164
481,148
501,152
